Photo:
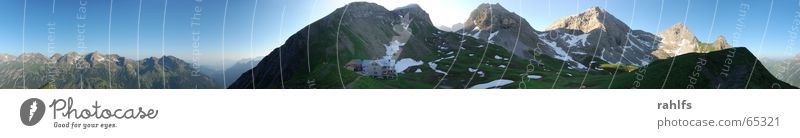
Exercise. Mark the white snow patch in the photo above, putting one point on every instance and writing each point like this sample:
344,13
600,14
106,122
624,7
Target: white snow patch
433,66
534,77
643,62
471,69
392,49
492,84
418,70
101,59
497,57
450,57
492,36
476,35
403,64
502,66
602,55
573,40
560,53
597,68
579,53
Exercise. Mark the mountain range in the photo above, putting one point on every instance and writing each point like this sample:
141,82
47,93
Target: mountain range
785,69
95,70
364,45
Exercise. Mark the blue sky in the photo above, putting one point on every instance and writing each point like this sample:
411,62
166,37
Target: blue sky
275,20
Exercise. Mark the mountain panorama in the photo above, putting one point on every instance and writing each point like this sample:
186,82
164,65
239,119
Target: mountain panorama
364,45
98,71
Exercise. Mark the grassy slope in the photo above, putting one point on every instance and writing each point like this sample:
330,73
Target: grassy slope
654,75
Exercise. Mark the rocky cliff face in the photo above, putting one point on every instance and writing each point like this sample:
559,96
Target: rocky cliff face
678,40
720,43
597,36
494,24
593,19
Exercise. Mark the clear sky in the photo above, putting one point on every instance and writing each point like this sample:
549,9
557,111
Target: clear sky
273,21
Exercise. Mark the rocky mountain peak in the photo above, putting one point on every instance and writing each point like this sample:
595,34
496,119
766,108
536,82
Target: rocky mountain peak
595,9
720,39
71,58
721,43
412,6
495,24
677,33
591,19
150,61
6,57
492,17
362,9
364,6
172,62
95,57
452,28
32,57
677,29
56,56
72,55
415,12
676,40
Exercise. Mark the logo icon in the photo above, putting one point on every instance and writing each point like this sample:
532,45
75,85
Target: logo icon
31,112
